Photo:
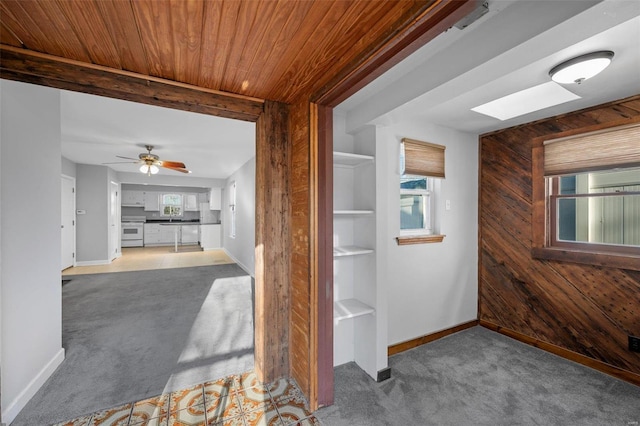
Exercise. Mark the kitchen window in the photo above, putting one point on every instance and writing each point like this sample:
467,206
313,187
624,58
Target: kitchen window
171,205
421,164
587,197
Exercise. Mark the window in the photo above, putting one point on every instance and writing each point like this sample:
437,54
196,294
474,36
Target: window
421,164
415,205
599,208
171,205
232,209
587,197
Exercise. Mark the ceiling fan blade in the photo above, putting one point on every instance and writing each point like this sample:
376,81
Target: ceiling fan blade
127,158
123,162
177,169
171,164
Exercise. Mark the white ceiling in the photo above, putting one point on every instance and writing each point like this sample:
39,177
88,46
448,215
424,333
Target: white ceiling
511,48
96,129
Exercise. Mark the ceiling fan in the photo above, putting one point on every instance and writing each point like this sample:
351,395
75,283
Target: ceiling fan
149,163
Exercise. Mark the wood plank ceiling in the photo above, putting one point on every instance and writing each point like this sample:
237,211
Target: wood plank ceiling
272,49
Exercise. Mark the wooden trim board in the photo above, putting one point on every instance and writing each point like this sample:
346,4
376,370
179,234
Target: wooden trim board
616,372
420,25
414,343
52,71
419,239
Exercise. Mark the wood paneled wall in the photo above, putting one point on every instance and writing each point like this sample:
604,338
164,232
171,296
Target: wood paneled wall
300,314
588,310
310,324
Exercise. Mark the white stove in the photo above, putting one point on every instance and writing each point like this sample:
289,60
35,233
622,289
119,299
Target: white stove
132,234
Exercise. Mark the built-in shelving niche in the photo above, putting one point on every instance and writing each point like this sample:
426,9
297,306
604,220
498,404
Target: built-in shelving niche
355,284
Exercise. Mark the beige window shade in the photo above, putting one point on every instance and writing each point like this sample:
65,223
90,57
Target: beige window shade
617,147
423,159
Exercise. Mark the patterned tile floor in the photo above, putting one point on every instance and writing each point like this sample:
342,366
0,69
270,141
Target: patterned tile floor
238,400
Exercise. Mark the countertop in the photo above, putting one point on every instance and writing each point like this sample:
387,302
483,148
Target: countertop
186,222
181,223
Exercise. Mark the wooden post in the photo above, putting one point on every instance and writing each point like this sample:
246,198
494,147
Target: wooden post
273,215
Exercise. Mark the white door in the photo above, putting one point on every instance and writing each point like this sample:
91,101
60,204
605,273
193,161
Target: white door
114,220
68,221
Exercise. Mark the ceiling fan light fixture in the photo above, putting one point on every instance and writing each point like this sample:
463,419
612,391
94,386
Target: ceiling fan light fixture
581,68
149,169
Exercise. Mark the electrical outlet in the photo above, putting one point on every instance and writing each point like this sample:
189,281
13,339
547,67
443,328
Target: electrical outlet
634,344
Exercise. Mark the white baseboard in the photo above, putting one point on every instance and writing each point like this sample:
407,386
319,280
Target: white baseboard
13,408
240,264
93,262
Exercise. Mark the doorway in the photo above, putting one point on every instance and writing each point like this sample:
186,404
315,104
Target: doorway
114,220
68,222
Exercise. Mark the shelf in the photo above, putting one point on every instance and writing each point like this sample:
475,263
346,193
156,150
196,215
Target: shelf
352,212
350,308
350,251
350,160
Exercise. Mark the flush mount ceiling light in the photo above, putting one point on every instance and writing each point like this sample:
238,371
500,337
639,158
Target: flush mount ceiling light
581,68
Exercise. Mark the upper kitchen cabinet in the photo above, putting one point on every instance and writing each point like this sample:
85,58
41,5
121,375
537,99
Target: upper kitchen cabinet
203,197
191,203
215,199
133,198
151,201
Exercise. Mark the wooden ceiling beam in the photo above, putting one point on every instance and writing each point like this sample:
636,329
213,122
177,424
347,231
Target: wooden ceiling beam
52,71
394,45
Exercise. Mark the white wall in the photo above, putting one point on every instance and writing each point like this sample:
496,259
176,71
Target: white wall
424,288
434,286
30,243
242,247
92,228
68,167
169,178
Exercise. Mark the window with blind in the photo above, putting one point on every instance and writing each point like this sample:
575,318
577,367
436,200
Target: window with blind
591,189
171,205
421,163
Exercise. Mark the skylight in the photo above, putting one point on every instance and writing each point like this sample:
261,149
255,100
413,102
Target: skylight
526,101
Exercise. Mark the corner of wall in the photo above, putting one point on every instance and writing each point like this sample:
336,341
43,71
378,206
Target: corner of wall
13,408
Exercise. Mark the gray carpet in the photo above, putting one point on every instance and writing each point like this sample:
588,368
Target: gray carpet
478,377
133,335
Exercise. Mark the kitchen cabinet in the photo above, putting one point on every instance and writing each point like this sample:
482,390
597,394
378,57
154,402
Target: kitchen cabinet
151,201
156,234
168,234
151,234
211,236
163,235
215,199
132,198
203,197
189,234
191,203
